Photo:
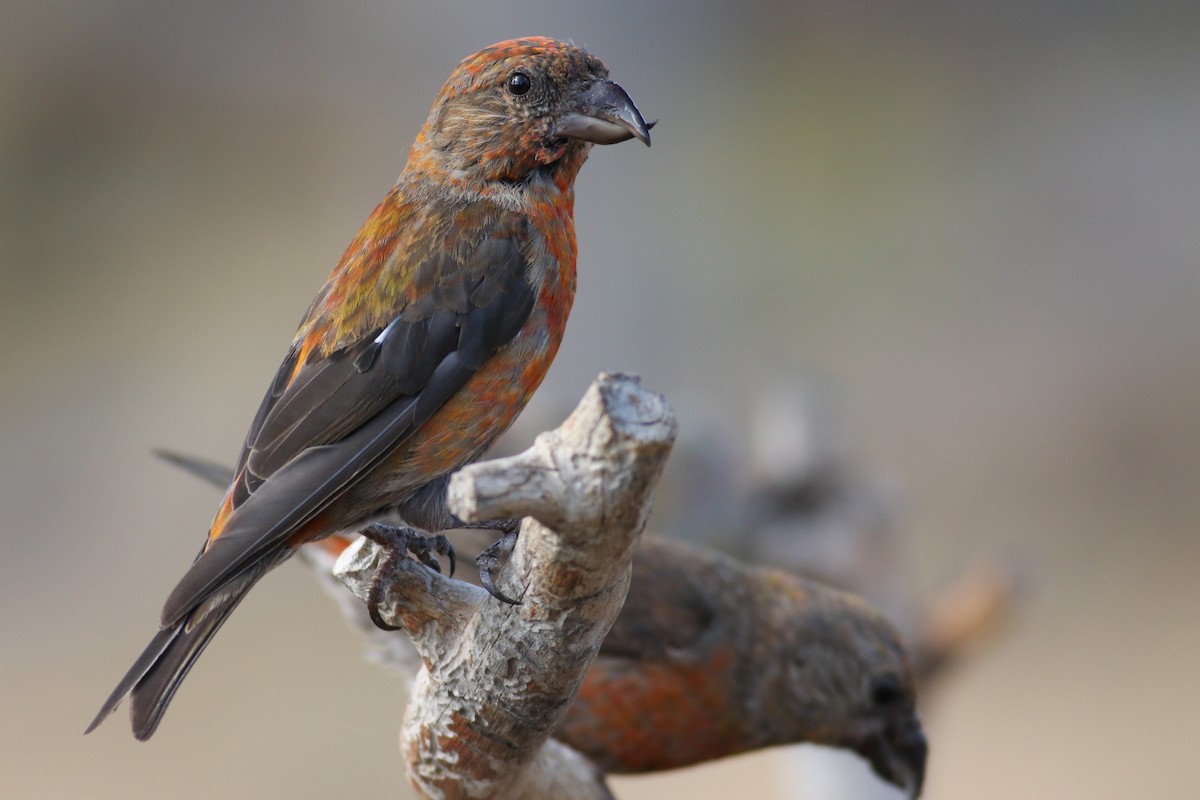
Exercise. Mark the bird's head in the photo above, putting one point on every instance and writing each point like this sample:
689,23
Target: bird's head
524,105
851,685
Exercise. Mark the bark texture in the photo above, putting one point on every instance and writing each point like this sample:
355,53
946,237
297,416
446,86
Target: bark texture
496,680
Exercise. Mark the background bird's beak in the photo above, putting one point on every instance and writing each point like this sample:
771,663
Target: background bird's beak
898,756
605,115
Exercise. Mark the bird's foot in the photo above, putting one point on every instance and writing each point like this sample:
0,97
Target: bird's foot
397,543
489,562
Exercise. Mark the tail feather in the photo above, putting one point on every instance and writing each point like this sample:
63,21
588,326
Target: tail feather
211,472
156,675
145,662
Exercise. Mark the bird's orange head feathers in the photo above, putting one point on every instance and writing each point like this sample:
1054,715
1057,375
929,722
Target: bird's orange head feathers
520,106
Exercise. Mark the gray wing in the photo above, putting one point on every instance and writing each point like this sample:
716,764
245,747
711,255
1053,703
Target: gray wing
318,433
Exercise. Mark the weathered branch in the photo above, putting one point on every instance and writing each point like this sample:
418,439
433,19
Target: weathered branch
498,679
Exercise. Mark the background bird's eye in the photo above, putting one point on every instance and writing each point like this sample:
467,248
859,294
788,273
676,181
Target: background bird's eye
519,83
886,691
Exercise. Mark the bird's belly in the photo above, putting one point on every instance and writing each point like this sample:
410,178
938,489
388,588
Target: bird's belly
464,427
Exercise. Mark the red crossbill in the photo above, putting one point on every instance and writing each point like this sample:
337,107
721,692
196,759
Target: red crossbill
427,340
710,658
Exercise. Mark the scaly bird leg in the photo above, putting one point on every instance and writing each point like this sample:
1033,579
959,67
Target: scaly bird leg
398,542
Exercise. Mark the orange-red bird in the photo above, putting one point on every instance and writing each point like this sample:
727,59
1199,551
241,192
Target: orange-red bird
425,343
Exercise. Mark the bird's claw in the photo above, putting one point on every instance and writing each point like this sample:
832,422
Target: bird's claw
428,548
489,562
397,543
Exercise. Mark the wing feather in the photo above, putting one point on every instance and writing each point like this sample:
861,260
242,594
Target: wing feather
341,415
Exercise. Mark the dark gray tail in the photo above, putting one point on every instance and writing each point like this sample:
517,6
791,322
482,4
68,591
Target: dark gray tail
153,679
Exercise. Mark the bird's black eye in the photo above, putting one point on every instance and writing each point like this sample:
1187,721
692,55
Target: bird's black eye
886,691
519,83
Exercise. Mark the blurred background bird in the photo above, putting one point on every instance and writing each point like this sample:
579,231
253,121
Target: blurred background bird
428,339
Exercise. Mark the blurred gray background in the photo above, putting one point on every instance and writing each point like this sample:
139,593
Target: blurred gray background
977,220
